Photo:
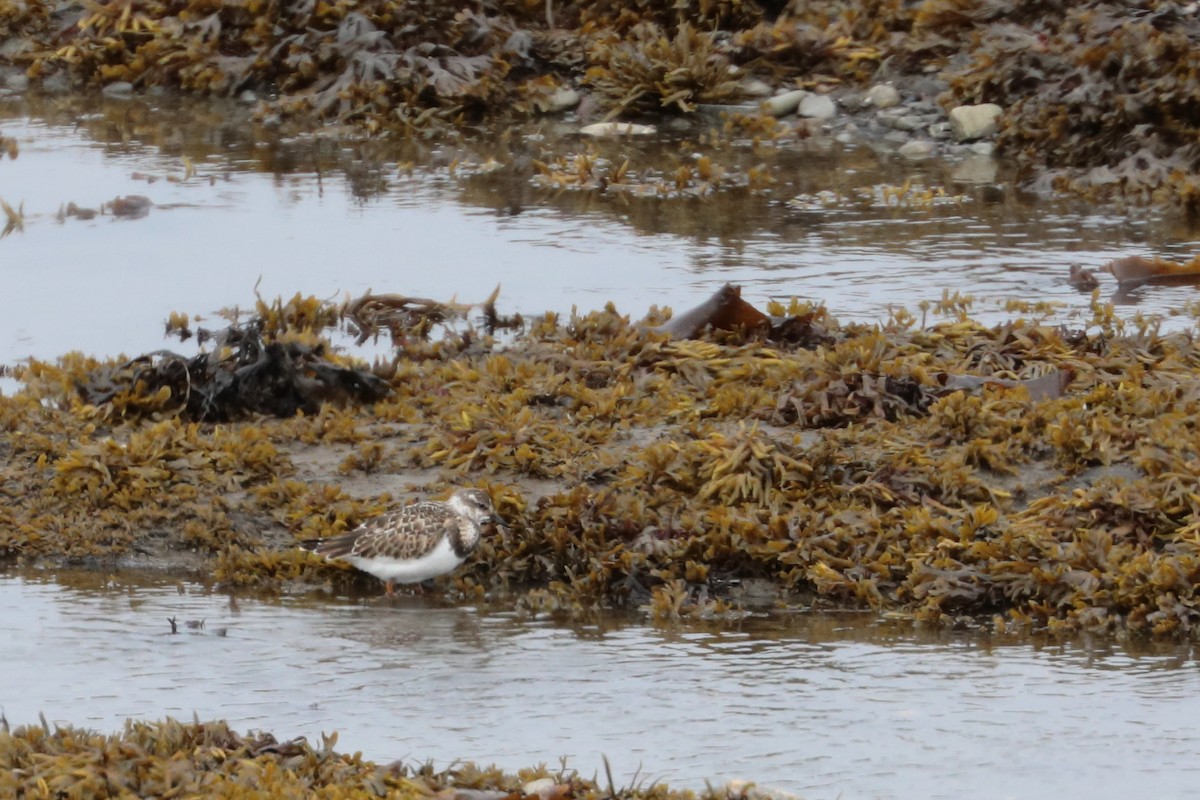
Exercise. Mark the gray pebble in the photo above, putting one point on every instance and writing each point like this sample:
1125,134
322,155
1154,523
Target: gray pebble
940,130
817,106
908,122
883,95
916,149
120,89
753,87
785,103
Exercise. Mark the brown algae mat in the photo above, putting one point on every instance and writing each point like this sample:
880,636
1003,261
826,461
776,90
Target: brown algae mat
207,759
1095,97
1021,477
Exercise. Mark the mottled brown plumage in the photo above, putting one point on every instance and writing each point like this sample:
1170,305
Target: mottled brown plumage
416,542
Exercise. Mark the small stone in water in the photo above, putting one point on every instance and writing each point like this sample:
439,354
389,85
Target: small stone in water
906,122
563,99
118,89
916,149
883,95
974,122
976,169
617,129
753,87
785,103
940,130
817,106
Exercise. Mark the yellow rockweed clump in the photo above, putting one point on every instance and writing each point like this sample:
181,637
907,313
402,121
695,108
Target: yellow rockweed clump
1022,470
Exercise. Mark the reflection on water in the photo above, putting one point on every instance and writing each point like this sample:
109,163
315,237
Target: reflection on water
324,216
830,706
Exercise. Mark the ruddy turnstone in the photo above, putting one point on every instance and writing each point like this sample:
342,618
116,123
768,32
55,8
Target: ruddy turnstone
416,542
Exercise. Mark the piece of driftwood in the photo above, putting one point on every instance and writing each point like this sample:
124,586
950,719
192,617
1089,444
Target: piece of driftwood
724,311
1136,270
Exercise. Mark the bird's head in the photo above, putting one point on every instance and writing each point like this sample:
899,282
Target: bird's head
476,505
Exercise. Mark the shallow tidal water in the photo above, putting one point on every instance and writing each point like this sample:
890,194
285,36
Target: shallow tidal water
239,207
828,706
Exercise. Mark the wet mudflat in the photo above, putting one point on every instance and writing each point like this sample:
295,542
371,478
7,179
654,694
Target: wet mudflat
237,206
830,705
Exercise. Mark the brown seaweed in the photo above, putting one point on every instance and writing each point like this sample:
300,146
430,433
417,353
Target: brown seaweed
208,758
400,315
14,218
1098,98
242,374
132,206
1043,476
1045,387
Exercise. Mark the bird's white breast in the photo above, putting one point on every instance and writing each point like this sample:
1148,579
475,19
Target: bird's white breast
437,561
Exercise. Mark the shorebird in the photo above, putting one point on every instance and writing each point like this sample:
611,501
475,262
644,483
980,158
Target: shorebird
416,542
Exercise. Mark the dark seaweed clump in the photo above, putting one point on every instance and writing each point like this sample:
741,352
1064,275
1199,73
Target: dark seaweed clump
242,374
276,363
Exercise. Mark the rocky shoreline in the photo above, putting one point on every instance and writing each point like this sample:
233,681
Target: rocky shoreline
1092,99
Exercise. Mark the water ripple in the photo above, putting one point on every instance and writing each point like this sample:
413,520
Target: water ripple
822,706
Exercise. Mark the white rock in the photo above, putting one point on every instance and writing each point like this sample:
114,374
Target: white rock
617,129
883,95
541,786
248,97
974,122
817,106
916,149
785,103
118,89
983,148
753,87
902,122
563,99
18,82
